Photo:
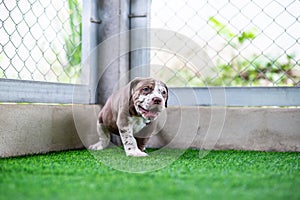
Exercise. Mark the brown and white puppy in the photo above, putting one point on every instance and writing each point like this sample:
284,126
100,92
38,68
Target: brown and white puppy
129,112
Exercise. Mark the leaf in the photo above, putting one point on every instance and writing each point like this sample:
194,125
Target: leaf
222,29
246,35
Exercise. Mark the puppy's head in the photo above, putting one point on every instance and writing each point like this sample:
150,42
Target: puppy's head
149,97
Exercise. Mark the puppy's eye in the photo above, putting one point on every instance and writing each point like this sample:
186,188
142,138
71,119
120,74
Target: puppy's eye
163,92
145,89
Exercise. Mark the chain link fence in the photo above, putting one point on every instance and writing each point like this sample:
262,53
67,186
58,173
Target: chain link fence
40,40
250,43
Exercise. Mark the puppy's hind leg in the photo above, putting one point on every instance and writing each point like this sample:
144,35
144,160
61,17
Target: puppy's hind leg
104,138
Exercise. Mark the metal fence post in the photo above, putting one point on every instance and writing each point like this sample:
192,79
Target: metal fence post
112,64
140,39
90,26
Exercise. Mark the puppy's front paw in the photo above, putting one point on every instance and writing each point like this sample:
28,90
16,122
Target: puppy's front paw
136,153
98,146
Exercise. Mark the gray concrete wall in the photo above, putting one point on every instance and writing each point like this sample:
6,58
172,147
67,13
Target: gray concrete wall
263,129
30,129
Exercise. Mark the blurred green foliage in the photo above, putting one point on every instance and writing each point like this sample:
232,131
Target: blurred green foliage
73,42
257,70
252,70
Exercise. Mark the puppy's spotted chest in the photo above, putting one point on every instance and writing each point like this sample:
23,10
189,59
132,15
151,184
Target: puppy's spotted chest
138,123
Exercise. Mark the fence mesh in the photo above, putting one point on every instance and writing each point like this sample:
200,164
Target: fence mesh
250,43
40,40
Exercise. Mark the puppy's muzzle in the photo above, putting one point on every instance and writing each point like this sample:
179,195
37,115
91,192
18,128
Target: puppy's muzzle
156,101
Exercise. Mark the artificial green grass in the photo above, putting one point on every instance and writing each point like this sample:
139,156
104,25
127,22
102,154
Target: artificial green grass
218,175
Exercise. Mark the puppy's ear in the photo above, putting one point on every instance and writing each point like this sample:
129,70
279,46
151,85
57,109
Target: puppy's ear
132,86
166,103
134,83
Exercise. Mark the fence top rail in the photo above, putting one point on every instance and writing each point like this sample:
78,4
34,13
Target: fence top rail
45,92
12,90
235,96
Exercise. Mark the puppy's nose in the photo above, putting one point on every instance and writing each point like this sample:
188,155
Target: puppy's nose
156,100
